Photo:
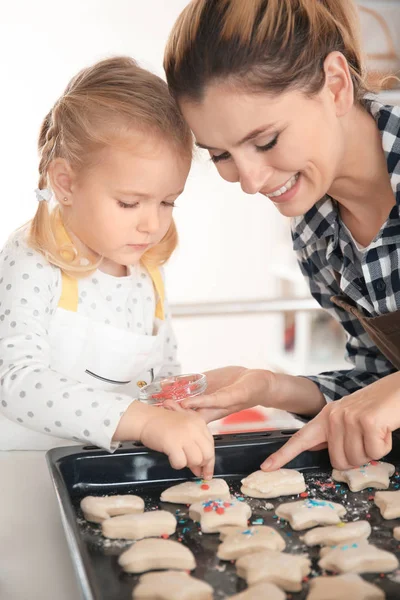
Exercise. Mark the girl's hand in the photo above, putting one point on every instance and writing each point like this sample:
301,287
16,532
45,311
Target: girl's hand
184,437
357,429
241,388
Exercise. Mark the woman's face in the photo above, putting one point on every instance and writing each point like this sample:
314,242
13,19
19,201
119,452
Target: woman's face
287,147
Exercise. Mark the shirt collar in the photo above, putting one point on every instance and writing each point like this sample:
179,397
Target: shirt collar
322,219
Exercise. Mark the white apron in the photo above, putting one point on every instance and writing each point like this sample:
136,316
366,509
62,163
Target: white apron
103,356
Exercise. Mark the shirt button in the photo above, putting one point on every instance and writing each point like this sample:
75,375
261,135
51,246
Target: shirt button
380,285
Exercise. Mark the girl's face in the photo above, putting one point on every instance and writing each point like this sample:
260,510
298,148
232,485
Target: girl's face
122,206
287,147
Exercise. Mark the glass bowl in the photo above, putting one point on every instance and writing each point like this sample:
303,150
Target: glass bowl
175,388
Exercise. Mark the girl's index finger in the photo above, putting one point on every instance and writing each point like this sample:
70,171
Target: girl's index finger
307,437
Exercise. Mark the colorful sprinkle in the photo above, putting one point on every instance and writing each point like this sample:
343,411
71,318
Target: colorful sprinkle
304,495
204,486
258,521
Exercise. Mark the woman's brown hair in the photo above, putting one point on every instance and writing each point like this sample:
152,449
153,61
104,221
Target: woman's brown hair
264,45
108,100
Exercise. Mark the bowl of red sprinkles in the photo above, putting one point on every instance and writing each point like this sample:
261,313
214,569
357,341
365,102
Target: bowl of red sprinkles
175,388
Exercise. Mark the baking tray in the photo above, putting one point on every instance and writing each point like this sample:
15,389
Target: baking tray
81,470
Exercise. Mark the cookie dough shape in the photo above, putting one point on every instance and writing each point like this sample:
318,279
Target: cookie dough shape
375,475
154,554
136,527
98,508
283,482
215,514
304,514
388,503
337,534
357,557
250,540
284,570
344,586
190,492
171,585
261,591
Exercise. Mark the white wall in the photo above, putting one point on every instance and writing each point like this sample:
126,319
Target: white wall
227,238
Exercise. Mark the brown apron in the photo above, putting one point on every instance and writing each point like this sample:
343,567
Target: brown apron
384,330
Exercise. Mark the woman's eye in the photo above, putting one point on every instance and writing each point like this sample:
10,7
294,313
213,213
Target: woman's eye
268,146
219,157
125,205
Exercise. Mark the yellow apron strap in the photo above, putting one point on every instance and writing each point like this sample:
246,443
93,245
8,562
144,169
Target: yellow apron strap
158,283
69,293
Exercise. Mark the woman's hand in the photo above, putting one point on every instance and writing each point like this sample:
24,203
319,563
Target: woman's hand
230,390
357,429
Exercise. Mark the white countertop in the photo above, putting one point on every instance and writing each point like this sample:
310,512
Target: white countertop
34,558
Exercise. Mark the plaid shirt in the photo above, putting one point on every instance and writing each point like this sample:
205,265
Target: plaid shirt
323,246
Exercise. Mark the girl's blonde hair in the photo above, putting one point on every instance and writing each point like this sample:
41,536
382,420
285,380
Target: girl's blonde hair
264,45
101,104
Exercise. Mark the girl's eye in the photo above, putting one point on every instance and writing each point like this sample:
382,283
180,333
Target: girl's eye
268,146
220,157
125,205
168,204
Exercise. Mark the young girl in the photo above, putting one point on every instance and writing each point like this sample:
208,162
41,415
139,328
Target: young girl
84,321
275,91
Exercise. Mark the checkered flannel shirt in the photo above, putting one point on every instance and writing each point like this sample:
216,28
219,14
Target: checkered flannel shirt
323,246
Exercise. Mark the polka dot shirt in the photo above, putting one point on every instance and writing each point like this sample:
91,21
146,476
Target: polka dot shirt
45,400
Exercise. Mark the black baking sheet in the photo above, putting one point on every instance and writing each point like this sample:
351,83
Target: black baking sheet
80,471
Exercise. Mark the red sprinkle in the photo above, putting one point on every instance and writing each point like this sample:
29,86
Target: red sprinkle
165,536
220,510
226,504
303,494
374,463
208,508
370,497
205,486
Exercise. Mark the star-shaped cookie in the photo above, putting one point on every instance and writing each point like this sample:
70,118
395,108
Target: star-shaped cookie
249,540
357,557
388,503
261,591
284,570
344,586
337,534
303,514
214,514
374,474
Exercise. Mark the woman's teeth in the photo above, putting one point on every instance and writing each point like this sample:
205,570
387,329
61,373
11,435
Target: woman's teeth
285,188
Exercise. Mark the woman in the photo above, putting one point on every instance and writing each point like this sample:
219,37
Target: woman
275,92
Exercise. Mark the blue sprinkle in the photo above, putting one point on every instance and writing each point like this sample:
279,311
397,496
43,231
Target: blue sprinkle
258,521
240,498
185,529
274,517
288,534
182,520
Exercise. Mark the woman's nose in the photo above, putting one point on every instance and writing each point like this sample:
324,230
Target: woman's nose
254,177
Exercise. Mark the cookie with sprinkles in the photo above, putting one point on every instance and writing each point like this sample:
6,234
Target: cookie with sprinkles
283,482
250,540
344,586
171,585
261,591
374,475
284,570
190,492
337,534
215,514
388,503
357,557
304,514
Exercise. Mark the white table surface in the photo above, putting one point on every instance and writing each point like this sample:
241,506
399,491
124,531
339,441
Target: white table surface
34,558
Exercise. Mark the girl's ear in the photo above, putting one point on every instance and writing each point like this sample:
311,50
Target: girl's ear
339,82
61,179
